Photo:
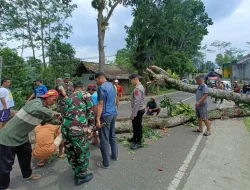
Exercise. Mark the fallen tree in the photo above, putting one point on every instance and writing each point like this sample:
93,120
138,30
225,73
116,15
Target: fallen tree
123,124
161,77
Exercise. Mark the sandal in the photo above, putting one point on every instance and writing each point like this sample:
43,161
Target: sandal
40,163
207,134
33,177
197,130
100,164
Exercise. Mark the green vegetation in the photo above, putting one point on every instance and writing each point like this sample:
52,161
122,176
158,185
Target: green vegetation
148,133
247,123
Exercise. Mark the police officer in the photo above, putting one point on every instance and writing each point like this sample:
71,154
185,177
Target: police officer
78,123
138,109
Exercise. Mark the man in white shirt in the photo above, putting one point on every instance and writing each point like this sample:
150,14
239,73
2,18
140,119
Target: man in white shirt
6,101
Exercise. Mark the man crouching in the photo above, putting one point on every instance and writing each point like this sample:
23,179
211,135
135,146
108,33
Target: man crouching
77,127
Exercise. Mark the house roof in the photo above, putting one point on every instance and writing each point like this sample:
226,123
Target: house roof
111,71
218,71
244,59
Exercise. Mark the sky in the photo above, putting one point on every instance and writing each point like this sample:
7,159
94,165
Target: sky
231,24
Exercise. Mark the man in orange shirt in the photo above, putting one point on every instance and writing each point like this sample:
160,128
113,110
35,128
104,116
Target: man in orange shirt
119,91
48,140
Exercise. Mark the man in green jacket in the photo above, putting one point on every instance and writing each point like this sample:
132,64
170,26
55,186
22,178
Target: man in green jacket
14,139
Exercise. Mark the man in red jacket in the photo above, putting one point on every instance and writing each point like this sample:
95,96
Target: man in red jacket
119,91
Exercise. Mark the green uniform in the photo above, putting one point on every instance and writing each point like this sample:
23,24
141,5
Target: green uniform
78,121
16,131
68,87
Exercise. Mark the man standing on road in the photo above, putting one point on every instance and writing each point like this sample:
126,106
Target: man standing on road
201,106
14,137
105,120
152,107
40,90
65,90
119,92
78,123
236,89
138,110
6,102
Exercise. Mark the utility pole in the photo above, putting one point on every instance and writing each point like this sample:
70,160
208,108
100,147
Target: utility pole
1,67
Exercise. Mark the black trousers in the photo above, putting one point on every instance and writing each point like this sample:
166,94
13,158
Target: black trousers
137,126
7,158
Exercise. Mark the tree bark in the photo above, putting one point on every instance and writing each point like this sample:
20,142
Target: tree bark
102,24
161,77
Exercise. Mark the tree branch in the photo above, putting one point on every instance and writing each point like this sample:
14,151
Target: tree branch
111,12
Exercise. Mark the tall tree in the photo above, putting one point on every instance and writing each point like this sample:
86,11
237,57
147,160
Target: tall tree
210,65
35,22
102,23
167,28
105,9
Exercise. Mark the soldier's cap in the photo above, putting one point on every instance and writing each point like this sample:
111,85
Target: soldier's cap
134,75
38,80
78,84
66,75
153,98
99,74
50,93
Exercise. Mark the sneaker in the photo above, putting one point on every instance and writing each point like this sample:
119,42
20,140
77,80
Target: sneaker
85,179
136,146
115,159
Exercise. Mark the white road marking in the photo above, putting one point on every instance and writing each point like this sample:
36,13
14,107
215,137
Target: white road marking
187,99
178,176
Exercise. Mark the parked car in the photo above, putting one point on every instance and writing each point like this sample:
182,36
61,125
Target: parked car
227,84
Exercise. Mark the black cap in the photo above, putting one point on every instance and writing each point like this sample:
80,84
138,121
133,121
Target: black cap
78,84
38,80
134,75
99,74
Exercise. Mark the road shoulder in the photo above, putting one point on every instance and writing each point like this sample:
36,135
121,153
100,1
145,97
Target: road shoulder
224,161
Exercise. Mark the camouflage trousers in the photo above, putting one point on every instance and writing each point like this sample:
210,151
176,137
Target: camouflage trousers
77,151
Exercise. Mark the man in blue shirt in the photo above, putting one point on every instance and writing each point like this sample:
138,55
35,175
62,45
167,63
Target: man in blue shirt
39,90
105,121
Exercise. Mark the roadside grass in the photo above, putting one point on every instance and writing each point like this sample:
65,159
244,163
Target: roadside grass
247,123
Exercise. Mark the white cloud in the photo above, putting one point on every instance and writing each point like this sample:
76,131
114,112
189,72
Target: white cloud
234,29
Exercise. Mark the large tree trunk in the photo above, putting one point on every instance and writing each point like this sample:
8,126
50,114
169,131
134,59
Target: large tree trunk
125,125
101,36
162,78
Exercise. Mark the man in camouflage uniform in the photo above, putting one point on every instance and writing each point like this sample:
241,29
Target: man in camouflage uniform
77,126
65,89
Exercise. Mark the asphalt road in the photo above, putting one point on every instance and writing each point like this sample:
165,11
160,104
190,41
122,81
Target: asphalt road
133,171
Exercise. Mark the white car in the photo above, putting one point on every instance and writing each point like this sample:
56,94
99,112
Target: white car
227,84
